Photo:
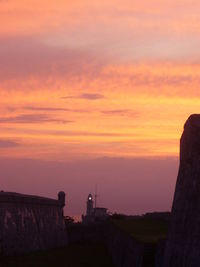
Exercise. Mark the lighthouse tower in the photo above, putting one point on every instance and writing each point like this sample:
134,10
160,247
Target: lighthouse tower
94,214
90,208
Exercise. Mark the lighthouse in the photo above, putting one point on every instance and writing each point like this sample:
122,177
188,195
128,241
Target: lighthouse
94,214
90,208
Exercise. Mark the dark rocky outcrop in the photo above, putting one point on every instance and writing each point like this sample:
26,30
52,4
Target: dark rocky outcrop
183,244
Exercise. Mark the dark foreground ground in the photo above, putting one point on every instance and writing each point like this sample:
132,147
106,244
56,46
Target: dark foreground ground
77,255
148,229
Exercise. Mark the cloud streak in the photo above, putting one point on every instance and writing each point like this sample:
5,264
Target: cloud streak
52,109
32,118
87,96
8,143
65,133
121,112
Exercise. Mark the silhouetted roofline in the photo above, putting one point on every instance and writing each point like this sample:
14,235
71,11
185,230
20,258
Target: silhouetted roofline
17,198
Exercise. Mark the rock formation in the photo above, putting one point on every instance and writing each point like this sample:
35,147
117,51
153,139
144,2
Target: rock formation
183,244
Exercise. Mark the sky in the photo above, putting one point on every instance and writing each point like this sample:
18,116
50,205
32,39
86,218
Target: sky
97,92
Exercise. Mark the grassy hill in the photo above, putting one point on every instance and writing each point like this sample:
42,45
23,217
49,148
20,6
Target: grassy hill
143,229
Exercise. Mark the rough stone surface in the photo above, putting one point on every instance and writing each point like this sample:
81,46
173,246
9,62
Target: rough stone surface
30,223
159,255
183,244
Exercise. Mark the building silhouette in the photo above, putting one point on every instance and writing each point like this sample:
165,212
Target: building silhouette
94,214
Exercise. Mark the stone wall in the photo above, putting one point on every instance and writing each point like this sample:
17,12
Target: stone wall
183,244
30,223
160,252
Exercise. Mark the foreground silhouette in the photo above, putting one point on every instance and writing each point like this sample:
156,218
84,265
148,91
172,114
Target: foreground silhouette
183,245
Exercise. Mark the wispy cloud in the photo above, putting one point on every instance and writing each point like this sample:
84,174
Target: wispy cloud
120,112
8,143
32,118
66,133
88,96
52,109
35,108
35,58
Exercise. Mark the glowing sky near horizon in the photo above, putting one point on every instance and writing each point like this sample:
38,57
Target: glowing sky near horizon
88,79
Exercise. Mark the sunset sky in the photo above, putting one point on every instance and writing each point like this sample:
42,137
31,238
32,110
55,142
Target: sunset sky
97,92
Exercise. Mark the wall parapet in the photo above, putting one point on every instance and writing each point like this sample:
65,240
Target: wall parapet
16,198
31,223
